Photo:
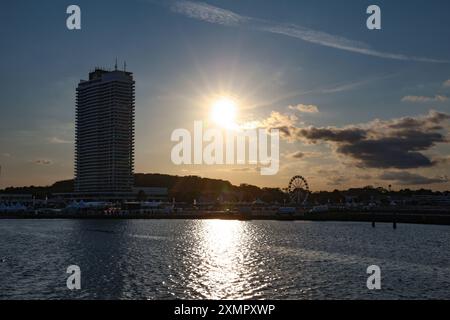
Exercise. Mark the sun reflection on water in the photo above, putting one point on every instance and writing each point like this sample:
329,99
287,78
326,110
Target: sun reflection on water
221,250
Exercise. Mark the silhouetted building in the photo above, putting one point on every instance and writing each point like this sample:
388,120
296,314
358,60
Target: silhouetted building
104,144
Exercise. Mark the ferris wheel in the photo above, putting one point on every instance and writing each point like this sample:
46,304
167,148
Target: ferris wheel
298,190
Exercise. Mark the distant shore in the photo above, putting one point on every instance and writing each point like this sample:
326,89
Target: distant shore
437,218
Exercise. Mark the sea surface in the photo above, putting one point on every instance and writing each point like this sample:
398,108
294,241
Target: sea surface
216,259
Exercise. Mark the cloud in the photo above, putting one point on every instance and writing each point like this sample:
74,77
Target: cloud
211,14
431,121
443,160
423,99
363,176
351,134
392,152
304,154
337,180
396,143
446,84
340,87
305,108
57,140
345,86
205,12
337,42
42,162
297,155
333,177
279,121
407,178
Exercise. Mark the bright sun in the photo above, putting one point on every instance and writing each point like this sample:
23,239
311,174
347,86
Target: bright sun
223,112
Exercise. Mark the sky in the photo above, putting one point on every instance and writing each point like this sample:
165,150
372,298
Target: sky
355,106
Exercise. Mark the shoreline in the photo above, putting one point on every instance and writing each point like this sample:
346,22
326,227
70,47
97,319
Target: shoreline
411,218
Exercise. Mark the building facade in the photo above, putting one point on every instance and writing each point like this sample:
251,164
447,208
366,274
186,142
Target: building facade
104,132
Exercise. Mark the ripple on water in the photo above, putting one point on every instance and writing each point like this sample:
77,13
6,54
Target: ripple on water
213,259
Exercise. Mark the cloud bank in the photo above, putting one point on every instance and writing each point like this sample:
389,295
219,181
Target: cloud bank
382,144
407,178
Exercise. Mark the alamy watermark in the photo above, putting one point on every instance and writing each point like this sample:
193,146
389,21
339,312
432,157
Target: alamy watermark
374,20
258,146
74,280
374,280
73,22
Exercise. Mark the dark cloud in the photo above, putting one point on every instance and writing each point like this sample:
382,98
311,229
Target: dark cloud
428,122
407,178
397,143
392,152
304,155
285,131
332,134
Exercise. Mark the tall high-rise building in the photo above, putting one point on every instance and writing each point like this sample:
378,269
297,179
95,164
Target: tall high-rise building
104,142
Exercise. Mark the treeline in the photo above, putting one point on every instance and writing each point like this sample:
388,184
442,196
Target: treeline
182,188
64,186
188,188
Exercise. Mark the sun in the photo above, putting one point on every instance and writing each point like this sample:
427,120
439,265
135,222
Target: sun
223,112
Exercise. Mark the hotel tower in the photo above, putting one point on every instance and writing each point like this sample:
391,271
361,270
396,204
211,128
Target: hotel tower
104,132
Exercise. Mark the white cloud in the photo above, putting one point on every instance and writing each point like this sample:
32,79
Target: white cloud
446,84
277,120
305,108
57,140
424,99
208,13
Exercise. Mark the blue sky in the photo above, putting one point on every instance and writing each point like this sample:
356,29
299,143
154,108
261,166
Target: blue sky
270,54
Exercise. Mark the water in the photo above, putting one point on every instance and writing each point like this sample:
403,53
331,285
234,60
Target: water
214,259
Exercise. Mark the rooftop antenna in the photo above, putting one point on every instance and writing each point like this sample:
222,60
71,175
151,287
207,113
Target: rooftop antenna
124,66
115,66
